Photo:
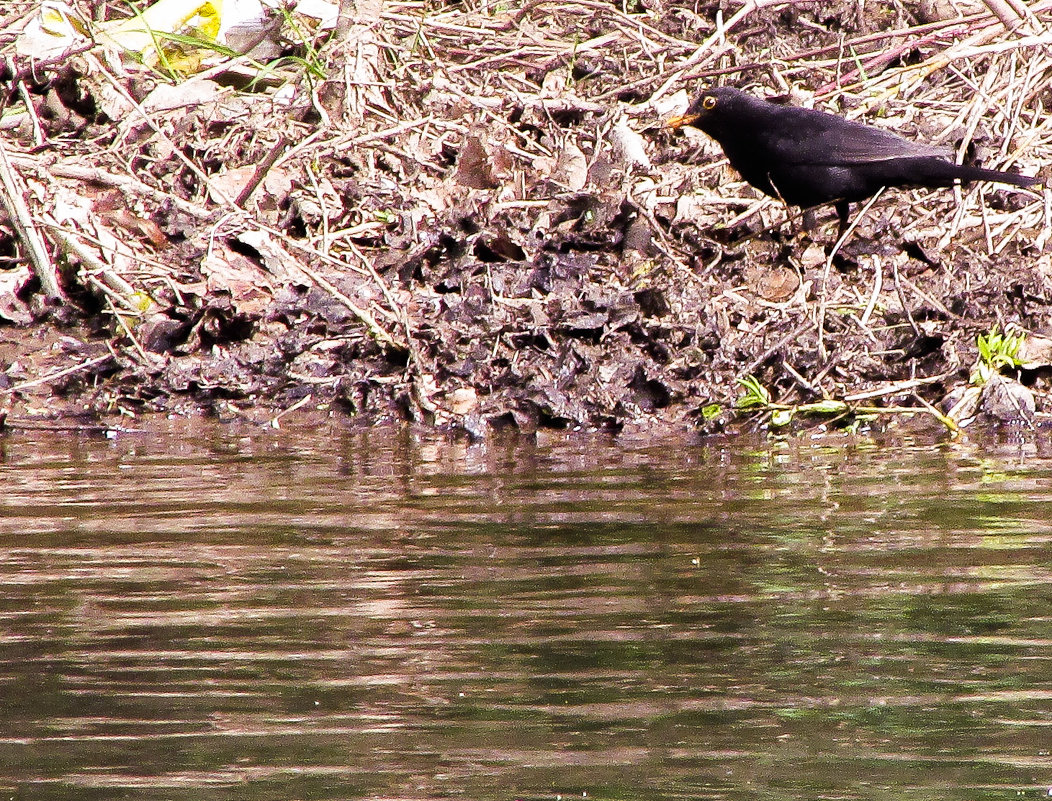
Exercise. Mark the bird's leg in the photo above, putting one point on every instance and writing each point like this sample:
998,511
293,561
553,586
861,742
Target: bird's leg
843,211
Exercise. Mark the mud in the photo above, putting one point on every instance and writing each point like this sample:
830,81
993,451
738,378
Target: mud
474,219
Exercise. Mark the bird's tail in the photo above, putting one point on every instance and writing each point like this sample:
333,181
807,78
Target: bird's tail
966,173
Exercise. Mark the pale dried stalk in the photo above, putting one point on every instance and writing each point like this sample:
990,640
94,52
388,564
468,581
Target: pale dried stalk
14,203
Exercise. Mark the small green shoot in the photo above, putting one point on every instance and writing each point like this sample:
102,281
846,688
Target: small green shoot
860,66
844,414
312,62
710,411
573,62
996,351
756,394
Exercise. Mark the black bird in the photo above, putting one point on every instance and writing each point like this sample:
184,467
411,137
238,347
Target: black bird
809,158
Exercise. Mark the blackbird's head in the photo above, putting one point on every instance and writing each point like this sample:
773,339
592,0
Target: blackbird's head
714,110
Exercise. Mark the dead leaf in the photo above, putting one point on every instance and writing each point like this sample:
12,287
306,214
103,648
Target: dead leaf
462,400
1035,352
474,166
112,206
248,285
629,145
276,259
12,282
775,285
571,170
813,256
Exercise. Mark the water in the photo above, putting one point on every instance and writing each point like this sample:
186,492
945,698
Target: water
202,611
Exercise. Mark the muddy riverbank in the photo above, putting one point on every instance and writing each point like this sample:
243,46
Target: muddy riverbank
473,217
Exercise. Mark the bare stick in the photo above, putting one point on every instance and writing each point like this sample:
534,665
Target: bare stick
15,205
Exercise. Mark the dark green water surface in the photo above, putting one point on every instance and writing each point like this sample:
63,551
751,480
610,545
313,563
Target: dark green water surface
200,612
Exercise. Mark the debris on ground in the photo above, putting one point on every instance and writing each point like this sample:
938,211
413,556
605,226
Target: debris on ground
473,215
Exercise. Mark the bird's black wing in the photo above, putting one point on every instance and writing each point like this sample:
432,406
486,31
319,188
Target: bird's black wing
818,138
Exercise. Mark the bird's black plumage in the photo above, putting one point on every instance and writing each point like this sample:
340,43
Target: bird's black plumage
809,158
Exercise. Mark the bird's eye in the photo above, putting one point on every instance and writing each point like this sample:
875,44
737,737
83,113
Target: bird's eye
709,103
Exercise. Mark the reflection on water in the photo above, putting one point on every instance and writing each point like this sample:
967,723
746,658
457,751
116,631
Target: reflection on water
198,611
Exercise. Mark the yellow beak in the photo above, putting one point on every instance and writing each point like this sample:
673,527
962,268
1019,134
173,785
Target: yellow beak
681,120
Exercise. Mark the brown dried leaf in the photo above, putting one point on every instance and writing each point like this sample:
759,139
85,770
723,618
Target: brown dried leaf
474,166
775,285
571,170
228,271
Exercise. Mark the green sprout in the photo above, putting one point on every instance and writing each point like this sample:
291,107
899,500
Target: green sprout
996,351
710,411
756,394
